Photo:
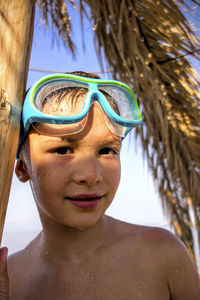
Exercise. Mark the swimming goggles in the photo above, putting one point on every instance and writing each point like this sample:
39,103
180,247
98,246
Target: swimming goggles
72,118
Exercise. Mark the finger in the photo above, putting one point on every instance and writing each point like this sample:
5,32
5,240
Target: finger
4,282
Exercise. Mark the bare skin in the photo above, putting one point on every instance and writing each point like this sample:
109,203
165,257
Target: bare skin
130,262
81,253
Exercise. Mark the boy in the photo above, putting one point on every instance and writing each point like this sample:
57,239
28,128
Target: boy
70,153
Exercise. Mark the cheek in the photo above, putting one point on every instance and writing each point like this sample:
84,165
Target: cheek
49,178
113,175
41,181
43,170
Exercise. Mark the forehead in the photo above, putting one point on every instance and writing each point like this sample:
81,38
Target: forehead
95,129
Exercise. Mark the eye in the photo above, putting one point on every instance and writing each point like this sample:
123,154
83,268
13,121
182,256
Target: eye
106,151
62,150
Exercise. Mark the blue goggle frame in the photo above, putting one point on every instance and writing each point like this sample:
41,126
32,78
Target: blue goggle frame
31,113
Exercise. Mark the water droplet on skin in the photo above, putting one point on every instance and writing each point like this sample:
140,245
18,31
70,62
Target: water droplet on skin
92,277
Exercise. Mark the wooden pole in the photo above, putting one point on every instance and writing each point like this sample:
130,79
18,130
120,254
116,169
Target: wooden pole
16,31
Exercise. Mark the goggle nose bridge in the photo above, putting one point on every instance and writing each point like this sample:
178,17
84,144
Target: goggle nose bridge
94,93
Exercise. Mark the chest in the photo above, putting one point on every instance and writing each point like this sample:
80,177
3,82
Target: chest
113,278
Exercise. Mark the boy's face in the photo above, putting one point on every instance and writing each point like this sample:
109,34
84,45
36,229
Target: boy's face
74,179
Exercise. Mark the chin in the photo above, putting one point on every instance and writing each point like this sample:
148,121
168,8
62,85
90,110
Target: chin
83,223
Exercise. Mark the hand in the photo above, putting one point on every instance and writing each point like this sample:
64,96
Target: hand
4,282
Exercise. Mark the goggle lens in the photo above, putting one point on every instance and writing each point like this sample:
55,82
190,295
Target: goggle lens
123,101
71,98
57,98
60,129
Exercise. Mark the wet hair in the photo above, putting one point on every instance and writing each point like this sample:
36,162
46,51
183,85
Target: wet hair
56,102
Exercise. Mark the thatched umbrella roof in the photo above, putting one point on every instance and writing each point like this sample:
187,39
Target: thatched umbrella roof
149,45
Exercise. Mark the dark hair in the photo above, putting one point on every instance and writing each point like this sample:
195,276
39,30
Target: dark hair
84,74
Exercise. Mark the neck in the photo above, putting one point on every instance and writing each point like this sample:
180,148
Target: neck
68,243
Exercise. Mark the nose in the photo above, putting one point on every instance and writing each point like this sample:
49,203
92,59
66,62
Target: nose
87,171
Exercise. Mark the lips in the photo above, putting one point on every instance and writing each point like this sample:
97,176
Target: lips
85,201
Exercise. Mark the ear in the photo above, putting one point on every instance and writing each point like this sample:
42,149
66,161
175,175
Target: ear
21,170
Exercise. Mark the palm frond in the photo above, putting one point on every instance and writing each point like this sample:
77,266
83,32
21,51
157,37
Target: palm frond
55,12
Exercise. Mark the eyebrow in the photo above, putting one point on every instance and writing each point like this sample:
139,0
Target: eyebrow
56,140
52,140
109,140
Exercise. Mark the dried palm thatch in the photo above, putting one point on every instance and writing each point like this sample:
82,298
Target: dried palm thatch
148,44
56,10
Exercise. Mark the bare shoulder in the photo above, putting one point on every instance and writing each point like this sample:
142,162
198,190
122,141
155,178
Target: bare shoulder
152,239
16,272
21,268
22,257
183,278
164,254
149,237
15,260
167,247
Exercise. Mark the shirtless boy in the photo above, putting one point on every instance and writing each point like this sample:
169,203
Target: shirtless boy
70,154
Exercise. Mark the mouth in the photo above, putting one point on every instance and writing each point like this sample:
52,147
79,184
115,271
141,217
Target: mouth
85,201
